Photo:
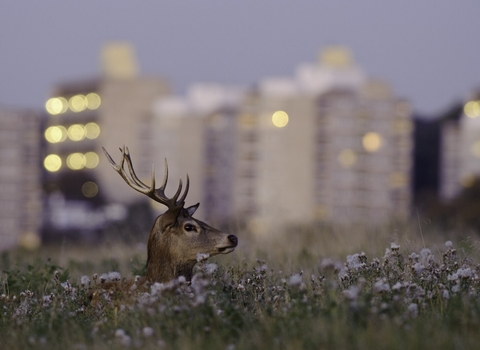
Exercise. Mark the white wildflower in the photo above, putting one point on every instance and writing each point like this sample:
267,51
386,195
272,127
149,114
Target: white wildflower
210,268
381,286
114,276
418,268
295,279
147,332
394,246
449,244
354,262
104,278
413,310
202,257
84,281
351,293
465,273
445,294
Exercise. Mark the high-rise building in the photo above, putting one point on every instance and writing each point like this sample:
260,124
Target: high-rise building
20,178
460,149
110,111
330,145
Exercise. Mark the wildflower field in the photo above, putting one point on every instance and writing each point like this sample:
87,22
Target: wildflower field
300,289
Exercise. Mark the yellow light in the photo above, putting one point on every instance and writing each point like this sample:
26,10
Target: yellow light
476,149
472,109
91,160
347,158
52,162
397,180
371,141
76,161
90,189
92,130
76,132
56,105
55,134
280,119
93,101
77,103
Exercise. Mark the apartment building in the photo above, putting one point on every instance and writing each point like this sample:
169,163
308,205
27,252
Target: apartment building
460,149
110,111
20,178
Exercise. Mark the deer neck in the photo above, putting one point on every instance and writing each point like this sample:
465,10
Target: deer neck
162,266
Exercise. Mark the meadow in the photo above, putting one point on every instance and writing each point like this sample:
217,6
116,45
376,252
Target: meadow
399,287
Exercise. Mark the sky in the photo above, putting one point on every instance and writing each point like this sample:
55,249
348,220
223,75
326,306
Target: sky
429,51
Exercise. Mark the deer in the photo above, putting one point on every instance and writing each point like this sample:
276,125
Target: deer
177,240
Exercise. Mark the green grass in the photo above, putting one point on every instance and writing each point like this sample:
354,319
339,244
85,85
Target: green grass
304,288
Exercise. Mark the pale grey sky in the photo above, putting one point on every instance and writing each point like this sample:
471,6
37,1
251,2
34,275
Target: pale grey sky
428,50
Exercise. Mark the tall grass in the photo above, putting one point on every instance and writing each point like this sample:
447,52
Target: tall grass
321,287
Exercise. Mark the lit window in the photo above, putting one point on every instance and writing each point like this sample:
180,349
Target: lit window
347,158
76,161
91,160
76,132
280,119
89,189
56,105
93,101
77,103
371,141
52,162
92,130
55,134
472,109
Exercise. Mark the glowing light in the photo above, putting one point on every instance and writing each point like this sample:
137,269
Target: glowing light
55,134
92,130
76,161
347,158
52,162
476,149
76,132
91,160
93,101
371,141
56,105
77,103
280,119
472,109
89,189
397,180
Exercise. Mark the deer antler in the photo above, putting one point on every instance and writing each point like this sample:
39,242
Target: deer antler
134,182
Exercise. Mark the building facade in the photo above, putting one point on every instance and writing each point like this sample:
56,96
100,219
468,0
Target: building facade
460,150
20,178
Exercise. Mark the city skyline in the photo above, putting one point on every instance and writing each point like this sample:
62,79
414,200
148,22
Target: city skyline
428,54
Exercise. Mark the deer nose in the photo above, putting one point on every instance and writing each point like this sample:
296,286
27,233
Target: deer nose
233,239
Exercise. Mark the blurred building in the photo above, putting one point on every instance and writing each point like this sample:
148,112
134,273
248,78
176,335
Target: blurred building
460,148
110,111
332,145
20,178
196,133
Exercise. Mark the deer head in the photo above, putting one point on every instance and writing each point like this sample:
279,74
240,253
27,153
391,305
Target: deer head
177,239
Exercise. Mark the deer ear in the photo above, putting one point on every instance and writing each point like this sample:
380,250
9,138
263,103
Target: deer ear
191,210
169,218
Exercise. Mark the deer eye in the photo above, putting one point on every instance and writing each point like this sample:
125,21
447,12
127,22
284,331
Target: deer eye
189,227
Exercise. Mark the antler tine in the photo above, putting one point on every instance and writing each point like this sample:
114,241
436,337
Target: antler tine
134,182
187,186
133,175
